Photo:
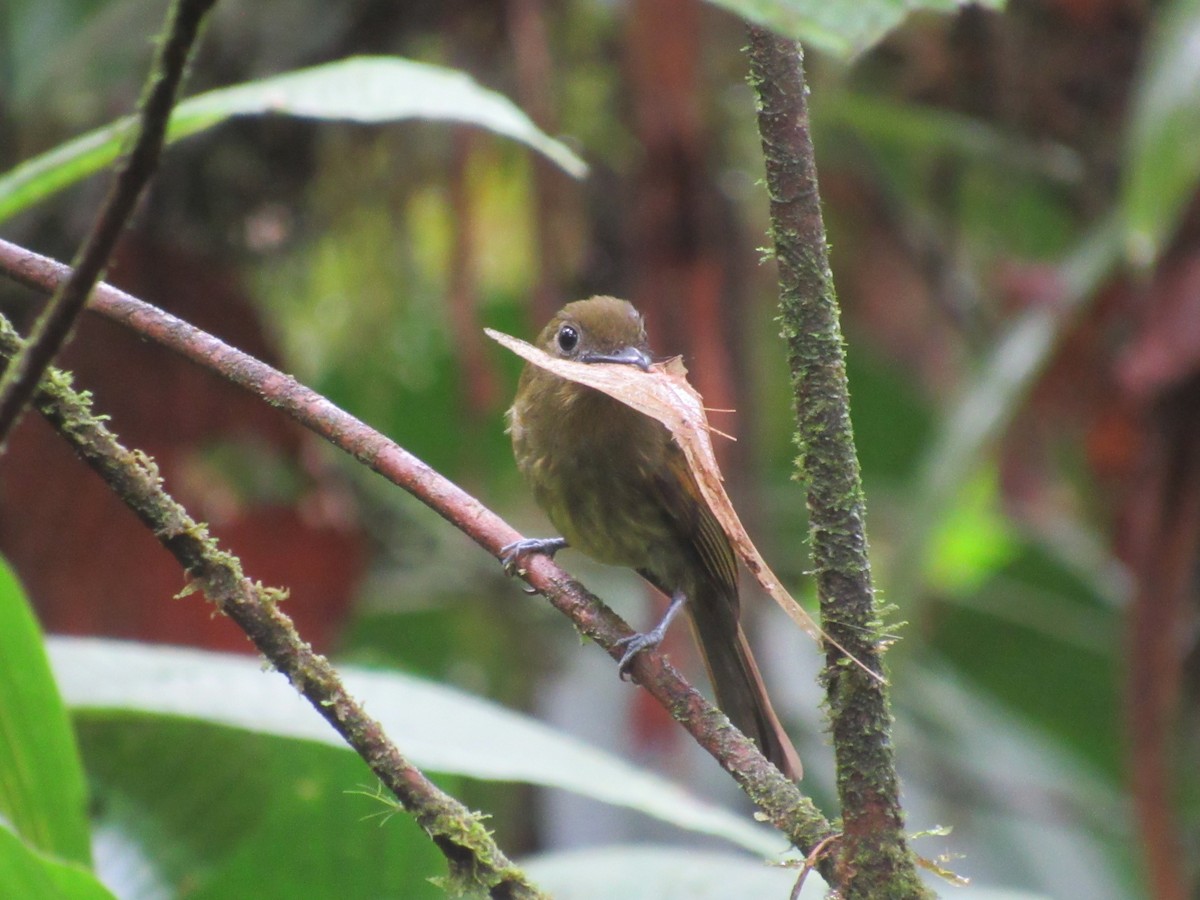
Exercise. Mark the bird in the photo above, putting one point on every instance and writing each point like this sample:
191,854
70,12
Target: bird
617,487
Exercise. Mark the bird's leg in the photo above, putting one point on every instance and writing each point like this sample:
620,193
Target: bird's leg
636,643
511,553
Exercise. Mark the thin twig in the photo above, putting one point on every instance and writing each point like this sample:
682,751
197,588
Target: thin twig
810,863
474,859
873,857
781,802
133,173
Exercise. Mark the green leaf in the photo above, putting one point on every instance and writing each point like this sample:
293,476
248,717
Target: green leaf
842,29
367,89
438,728
973,541
192,809
1163,166
42,790
31,875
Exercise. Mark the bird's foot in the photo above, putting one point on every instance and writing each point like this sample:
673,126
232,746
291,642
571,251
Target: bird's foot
635,644
646,640
512,554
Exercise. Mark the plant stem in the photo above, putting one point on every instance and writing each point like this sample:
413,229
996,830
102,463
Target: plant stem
873,857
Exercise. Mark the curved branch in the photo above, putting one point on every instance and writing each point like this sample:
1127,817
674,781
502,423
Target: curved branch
779,799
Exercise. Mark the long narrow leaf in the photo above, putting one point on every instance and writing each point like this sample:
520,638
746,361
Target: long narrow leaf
30,875
367,89
437,727
42,791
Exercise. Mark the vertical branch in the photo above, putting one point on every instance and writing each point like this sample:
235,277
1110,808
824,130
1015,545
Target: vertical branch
54,325
1164,562
874,860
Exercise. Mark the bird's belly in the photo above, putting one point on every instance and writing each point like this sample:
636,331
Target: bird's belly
598,490
609,514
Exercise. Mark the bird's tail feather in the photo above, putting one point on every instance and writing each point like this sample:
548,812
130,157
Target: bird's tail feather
740,691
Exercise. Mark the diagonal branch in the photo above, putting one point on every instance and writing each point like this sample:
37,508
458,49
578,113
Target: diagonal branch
874,857
133,173
476,863
779,799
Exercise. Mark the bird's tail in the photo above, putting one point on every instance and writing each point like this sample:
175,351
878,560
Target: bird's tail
740,691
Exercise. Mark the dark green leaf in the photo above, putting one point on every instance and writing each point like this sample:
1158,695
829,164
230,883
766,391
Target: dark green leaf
214,813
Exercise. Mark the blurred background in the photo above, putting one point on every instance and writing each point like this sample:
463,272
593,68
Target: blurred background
1010,199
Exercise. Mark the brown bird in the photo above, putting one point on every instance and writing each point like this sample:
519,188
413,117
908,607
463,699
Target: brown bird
618,487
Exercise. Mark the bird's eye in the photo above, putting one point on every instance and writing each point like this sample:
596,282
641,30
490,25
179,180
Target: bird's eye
568,337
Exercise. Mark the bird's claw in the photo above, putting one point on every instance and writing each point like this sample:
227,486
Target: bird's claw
511,554
635,644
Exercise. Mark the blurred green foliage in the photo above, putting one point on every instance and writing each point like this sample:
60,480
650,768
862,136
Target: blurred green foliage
1007,674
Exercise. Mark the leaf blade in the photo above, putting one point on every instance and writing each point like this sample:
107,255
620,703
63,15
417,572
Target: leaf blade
364,89
436,726
42,789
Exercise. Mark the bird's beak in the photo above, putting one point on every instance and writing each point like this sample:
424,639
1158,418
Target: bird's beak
629,356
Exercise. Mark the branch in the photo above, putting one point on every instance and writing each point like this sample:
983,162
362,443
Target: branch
133,172
475,862
874,859
781,802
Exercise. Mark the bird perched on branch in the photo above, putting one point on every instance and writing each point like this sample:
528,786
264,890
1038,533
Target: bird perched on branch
616,485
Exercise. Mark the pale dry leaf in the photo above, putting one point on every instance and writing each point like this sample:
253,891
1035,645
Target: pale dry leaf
665,394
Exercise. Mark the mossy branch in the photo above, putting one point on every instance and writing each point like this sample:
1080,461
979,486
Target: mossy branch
477,866
873,857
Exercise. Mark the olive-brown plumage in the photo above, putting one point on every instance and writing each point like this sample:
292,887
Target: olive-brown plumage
617,486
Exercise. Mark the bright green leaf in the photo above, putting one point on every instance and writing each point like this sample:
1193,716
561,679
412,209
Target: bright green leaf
972,540
31,875
42,791
437,727
367,89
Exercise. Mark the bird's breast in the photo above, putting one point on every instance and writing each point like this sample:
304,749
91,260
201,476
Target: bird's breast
593,465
